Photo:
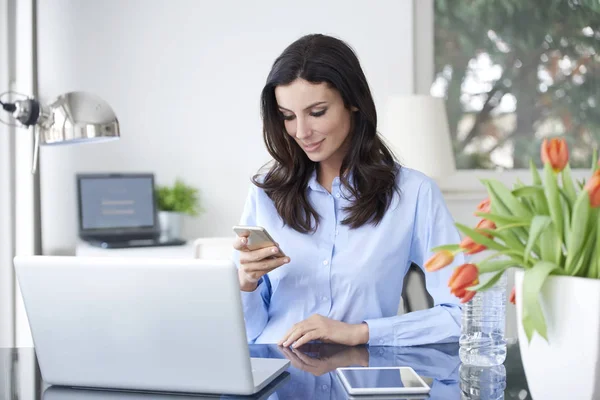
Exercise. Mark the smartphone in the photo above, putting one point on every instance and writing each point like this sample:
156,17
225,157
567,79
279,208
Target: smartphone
258,237
382,381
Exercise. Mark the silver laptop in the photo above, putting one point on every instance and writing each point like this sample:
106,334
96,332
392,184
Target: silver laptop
173,325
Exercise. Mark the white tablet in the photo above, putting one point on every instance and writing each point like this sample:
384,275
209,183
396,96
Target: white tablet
382,380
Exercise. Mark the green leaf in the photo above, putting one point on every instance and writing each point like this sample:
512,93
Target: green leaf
480,238
507,198
501,220
595,165
487,284
537,180
509,238
597,258
583,258
528,191
485,267
579,228
553,197
568,185
449,247
533,281
538,225
547,244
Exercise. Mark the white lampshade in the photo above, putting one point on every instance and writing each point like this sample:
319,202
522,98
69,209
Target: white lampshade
416,128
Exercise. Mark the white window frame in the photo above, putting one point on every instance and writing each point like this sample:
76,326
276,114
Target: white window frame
464,183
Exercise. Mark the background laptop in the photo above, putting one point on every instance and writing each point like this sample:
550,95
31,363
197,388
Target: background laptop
119,210
173,325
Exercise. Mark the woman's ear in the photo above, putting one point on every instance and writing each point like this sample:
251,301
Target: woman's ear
353,109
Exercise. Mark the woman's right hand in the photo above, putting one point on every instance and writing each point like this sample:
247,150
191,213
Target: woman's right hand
256,263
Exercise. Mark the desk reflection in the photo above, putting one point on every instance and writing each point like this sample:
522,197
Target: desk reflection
313,367
312,375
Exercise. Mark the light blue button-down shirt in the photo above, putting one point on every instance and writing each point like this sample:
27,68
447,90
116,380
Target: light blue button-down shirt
356,275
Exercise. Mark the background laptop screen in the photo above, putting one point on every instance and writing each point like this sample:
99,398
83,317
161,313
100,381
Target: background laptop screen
116,202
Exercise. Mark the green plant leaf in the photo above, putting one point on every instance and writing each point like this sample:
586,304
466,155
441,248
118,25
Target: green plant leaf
480,238
508,199
597,258
449,247
553,197
538,225
584,257
178,198
501,220
568,185
579,227
595,165
485,267
509,238
537,180
533,281
487,284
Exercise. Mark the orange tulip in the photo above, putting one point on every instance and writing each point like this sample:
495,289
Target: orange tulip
593,188
555,152
513,296
439,260
463,277
485,224
485,206
469,246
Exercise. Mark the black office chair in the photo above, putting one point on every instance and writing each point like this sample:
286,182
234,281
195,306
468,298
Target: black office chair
414,293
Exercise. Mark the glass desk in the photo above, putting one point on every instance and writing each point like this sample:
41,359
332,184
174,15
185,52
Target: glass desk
311,375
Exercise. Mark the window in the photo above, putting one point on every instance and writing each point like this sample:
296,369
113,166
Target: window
514,72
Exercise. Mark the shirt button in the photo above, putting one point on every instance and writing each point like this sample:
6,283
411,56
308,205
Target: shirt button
324,298
324,387
325,262
337,232
337,195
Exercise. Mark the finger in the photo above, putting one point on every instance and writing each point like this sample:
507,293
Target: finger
312,335
305,358
290,331
261,254
297,334
266,265
240,242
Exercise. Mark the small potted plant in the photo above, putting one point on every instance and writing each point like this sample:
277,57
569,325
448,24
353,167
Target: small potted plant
173,203
550,231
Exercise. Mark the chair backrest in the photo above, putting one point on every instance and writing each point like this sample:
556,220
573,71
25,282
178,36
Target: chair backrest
215,248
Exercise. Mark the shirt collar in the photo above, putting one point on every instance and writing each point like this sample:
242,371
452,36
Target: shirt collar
314,184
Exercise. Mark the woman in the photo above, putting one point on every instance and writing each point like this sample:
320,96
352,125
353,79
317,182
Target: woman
348,218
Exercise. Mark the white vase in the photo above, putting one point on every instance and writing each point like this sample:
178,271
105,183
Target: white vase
170,224
568,365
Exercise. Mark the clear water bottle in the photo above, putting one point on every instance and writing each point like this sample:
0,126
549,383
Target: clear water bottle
482,383
482,341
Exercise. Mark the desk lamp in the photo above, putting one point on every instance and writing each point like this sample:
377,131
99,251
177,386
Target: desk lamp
74,117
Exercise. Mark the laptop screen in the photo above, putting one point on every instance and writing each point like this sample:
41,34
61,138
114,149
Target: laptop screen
116,201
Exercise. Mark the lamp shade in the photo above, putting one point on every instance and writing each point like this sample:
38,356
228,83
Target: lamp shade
416,128
77,117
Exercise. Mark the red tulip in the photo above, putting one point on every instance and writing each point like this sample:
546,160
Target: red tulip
485,206
593,188
439,260
463,277
555,152
513,296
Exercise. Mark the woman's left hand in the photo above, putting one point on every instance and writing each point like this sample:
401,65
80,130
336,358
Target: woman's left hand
318,327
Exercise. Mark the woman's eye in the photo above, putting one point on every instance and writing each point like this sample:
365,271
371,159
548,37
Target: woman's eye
287,117
318,113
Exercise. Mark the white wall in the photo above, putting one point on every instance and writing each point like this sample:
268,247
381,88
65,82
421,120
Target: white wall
184,78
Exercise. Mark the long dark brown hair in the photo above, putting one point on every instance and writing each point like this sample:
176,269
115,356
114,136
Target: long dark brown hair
319,58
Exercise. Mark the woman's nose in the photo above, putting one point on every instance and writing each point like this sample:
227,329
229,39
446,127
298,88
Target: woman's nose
302,129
